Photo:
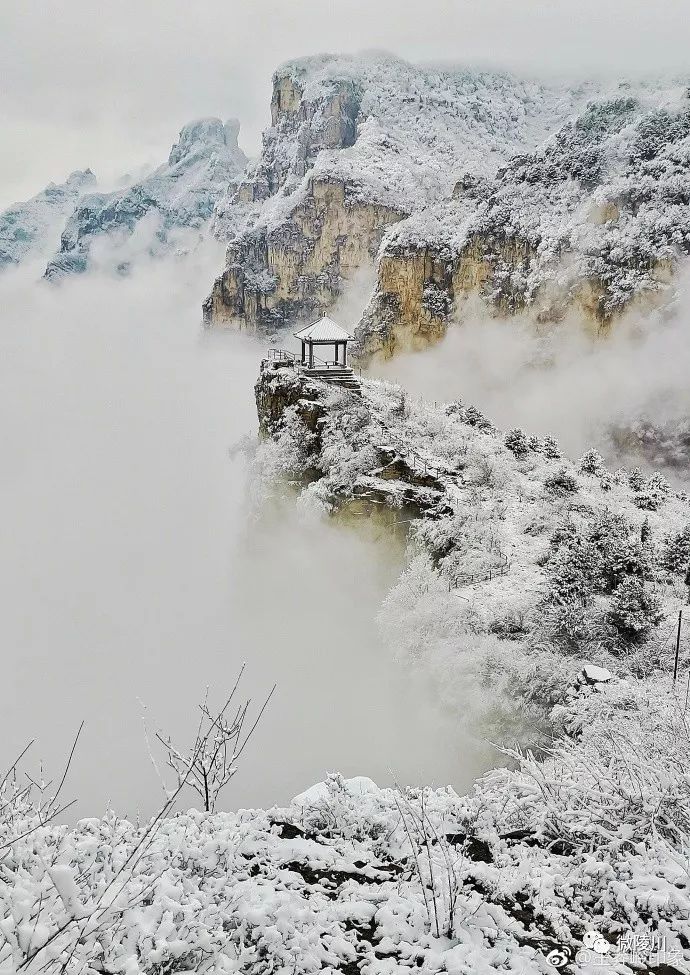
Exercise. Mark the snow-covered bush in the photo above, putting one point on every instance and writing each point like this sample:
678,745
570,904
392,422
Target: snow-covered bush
634,610
561,482
676,552
516,441
653,493
591,462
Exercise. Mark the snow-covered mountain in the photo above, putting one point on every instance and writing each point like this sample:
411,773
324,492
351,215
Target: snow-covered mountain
596,218
446,184
357,144
31,230
168,209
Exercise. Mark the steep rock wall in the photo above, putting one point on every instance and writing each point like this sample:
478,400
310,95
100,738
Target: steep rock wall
284,274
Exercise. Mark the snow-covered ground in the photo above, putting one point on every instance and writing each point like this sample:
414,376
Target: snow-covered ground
576,863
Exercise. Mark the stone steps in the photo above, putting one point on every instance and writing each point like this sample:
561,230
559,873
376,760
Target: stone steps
343,377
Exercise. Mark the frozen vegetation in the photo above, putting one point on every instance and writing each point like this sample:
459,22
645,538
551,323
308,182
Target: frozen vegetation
604,199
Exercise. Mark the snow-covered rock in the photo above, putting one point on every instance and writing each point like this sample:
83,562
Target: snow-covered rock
356,144
596,675
31,230
447,183
171,208
595,217
357,785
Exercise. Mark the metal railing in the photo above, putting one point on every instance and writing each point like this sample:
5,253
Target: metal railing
468,579
291,359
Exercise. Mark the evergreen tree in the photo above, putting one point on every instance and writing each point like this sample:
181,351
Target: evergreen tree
634,610
550,448
591,462
516,441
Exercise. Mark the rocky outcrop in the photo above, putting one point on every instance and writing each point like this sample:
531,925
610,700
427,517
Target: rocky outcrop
396,488
278,275
31,229
355,146
592,222
167,210
290,267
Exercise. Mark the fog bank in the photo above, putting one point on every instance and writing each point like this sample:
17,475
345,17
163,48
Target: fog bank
134,571
80,91
563,382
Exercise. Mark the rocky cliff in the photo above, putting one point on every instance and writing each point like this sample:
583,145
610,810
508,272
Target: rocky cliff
169,209
355,146
446,185
30,230
594,220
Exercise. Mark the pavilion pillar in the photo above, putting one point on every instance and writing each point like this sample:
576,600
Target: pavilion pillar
311,355
304,353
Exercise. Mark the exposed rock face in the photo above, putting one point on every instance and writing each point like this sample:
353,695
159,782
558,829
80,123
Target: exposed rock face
595,219
168,209
355,146
284,274
32,229
395,488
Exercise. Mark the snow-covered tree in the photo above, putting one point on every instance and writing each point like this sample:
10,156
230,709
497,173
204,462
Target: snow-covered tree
634,610
550,448
591,462
516,441
676,552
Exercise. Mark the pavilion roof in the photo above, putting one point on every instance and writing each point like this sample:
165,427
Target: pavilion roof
325,330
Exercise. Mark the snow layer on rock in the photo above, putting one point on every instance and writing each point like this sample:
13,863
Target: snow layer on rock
32,229
605,198
378,881
169,208
415,130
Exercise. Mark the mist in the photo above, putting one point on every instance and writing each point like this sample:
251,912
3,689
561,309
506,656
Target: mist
79,90
136,571
565,382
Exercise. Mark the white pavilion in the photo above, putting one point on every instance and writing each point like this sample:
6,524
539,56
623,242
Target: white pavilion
324,332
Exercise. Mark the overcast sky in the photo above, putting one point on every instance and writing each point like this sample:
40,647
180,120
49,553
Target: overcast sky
108,85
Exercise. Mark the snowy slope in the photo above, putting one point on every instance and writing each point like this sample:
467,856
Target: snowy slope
599,212
518,545
413,129
168,209
32,229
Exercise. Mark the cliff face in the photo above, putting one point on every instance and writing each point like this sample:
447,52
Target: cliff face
451,184
281,274
594,220
355,146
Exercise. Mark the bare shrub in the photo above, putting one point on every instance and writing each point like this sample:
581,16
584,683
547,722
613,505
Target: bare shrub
210,762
